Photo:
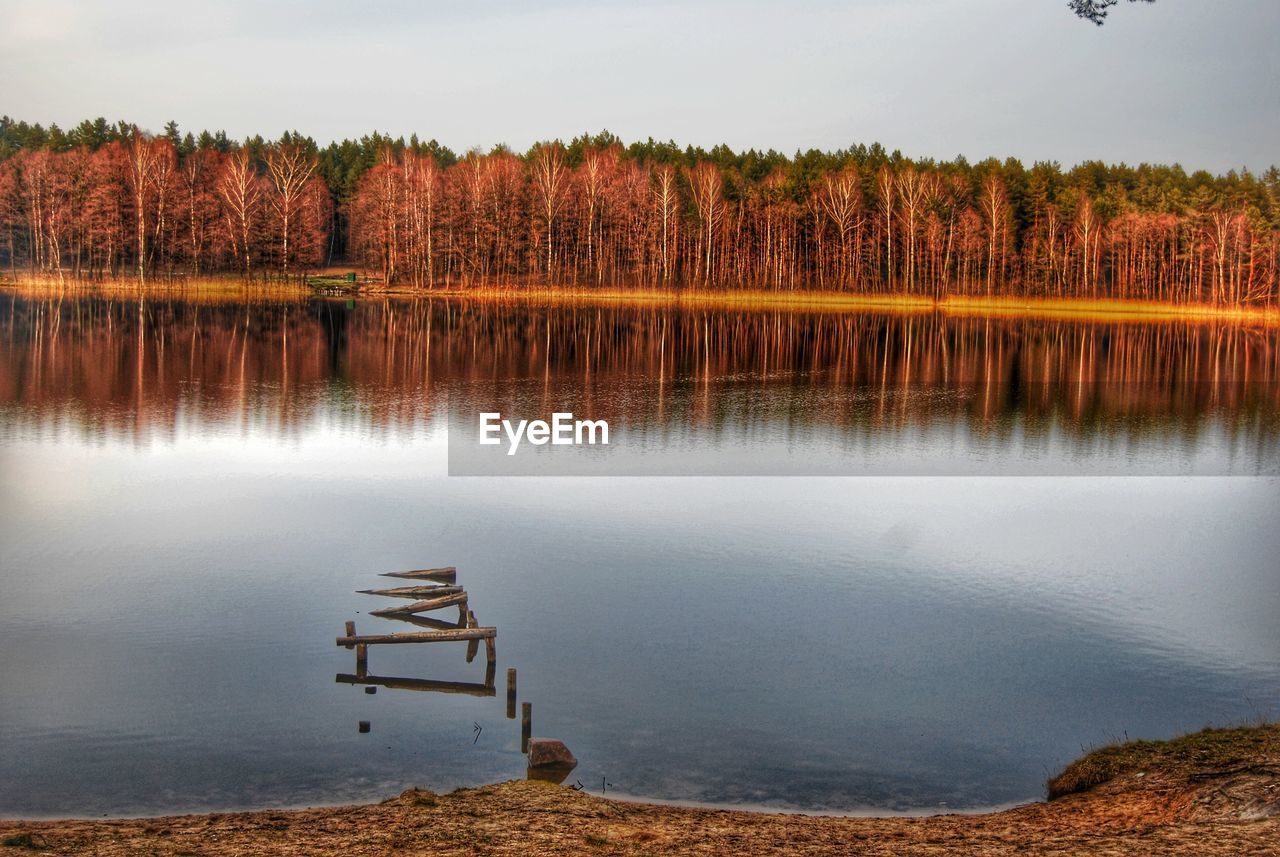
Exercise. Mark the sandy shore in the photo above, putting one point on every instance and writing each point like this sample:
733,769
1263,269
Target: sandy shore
1213,793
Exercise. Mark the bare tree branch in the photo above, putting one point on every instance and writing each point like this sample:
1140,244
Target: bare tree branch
1096,10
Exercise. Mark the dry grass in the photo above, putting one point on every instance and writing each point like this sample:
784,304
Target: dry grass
200,290
1215,793
1209,750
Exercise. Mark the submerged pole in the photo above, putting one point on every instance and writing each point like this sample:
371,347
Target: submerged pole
511,694
526,726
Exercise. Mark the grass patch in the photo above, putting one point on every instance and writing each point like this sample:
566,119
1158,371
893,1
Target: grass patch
1209,749
597,841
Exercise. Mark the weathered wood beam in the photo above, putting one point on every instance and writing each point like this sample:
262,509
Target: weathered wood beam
423,606
448,574
456,635
413,591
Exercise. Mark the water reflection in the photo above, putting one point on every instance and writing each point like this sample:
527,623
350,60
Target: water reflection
148,369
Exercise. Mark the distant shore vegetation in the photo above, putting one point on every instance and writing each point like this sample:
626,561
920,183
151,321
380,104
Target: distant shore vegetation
106,201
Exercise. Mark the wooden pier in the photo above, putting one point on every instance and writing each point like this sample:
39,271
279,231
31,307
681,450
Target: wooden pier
434,589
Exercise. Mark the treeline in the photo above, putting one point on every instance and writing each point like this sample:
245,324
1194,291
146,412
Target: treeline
106,200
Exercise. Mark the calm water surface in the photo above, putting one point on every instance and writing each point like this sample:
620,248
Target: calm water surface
192,493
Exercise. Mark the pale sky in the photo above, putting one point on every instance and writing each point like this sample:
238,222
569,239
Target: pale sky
1182,80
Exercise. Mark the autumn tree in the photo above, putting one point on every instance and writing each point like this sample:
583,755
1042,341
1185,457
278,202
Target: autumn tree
550,178
290,193
667,203
706,186
240,189
839,195
993,199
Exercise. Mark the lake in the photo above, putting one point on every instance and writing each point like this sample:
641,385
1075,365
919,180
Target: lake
1001,540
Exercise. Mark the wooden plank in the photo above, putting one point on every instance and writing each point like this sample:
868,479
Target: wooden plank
413,591
448,574
456,635
423,606
465,687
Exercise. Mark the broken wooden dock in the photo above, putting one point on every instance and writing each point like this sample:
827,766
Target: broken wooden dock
437,589
434,589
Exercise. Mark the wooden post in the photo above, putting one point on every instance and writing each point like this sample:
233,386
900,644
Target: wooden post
472,645
511,694
490,672
526,726
491,650
462,611
351,632
362,660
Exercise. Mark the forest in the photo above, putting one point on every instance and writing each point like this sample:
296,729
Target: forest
108,201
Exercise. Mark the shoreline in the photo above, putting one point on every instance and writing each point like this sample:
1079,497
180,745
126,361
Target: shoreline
1214,792
868,812
1066,309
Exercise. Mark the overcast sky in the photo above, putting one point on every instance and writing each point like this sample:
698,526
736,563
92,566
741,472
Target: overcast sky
1183,80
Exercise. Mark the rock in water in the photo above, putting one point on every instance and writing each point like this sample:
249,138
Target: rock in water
547,752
